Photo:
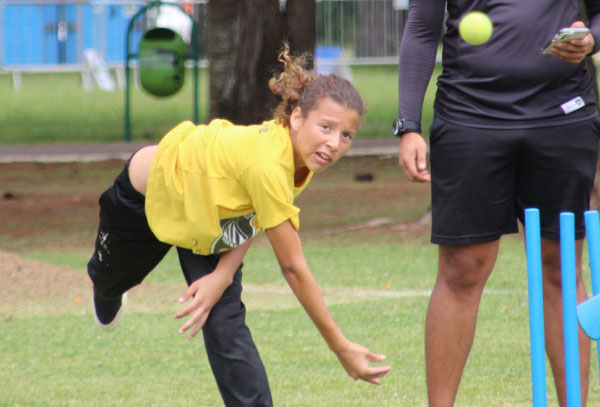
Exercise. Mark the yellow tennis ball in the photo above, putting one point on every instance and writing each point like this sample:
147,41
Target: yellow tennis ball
475,28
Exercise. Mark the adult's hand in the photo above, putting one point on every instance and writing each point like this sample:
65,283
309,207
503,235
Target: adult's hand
412,156
574,51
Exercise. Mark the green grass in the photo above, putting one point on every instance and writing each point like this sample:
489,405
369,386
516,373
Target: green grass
376,282
55,108
56,361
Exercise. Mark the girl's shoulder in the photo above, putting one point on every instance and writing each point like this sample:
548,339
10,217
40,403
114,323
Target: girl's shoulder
259,145
266,138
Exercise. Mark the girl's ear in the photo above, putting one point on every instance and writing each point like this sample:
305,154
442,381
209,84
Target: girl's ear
296,118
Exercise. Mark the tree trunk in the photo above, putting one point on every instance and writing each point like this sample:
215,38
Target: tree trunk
244,40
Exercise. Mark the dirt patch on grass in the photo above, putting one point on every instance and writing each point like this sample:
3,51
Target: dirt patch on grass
28,286
34,288
55,206
43,280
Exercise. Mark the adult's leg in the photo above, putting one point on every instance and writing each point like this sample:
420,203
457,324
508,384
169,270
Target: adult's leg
233,356
565,157
553,319
472,189
452,315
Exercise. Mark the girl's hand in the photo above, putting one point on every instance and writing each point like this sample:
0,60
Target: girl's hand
210,288
355,358
206,291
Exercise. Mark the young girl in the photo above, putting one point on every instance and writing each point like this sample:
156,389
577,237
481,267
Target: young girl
207,190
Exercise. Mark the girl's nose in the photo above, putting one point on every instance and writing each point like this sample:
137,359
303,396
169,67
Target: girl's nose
334,141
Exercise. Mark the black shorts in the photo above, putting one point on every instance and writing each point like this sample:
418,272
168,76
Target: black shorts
484,179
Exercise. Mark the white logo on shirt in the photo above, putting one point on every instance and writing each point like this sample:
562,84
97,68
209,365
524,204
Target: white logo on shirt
572,105
234,232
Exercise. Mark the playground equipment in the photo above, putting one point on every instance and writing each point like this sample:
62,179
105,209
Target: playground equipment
161,55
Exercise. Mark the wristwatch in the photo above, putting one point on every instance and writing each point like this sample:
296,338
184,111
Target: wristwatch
402,126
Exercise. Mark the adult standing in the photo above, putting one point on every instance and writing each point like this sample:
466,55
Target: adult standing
513,128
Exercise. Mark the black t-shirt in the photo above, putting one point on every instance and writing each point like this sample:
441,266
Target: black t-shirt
506,82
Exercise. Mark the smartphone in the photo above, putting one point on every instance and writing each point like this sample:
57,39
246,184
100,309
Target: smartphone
566,34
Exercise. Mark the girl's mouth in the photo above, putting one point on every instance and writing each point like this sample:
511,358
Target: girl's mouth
323,157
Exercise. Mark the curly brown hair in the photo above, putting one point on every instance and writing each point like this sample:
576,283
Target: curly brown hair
298,86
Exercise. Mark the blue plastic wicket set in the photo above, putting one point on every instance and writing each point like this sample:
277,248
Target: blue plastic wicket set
587,314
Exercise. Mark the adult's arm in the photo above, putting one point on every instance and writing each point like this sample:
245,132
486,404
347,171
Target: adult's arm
593,16
418,53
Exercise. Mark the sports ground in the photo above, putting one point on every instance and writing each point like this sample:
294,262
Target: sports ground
366,241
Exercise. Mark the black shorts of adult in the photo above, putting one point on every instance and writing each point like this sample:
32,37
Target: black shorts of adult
484,179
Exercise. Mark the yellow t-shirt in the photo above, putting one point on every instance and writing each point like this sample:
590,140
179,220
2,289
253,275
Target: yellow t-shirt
212,187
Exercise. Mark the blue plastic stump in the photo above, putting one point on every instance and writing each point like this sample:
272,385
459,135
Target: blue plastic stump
536,306
588,312
592,226
569,294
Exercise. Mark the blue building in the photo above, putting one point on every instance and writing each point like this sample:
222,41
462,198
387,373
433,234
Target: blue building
43,33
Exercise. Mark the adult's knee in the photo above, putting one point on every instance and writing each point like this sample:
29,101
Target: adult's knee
552,270
552,265
466,267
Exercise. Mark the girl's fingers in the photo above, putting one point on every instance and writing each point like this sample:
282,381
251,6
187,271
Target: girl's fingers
185,311
198,327
187,293
375,373
198,319
372,357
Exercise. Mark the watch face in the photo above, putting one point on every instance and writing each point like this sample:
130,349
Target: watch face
402,126
396,127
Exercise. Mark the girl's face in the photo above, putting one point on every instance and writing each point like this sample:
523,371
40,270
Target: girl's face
323,136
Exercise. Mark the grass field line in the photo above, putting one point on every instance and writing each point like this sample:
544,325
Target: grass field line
354,292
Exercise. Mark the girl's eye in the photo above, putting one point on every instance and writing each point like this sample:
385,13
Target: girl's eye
347,136
325,126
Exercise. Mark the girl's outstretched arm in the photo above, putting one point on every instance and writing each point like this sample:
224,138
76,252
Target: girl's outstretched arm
206,291
354,357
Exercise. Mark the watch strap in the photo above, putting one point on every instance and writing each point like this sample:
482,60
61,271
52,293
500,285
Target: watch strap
402,126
